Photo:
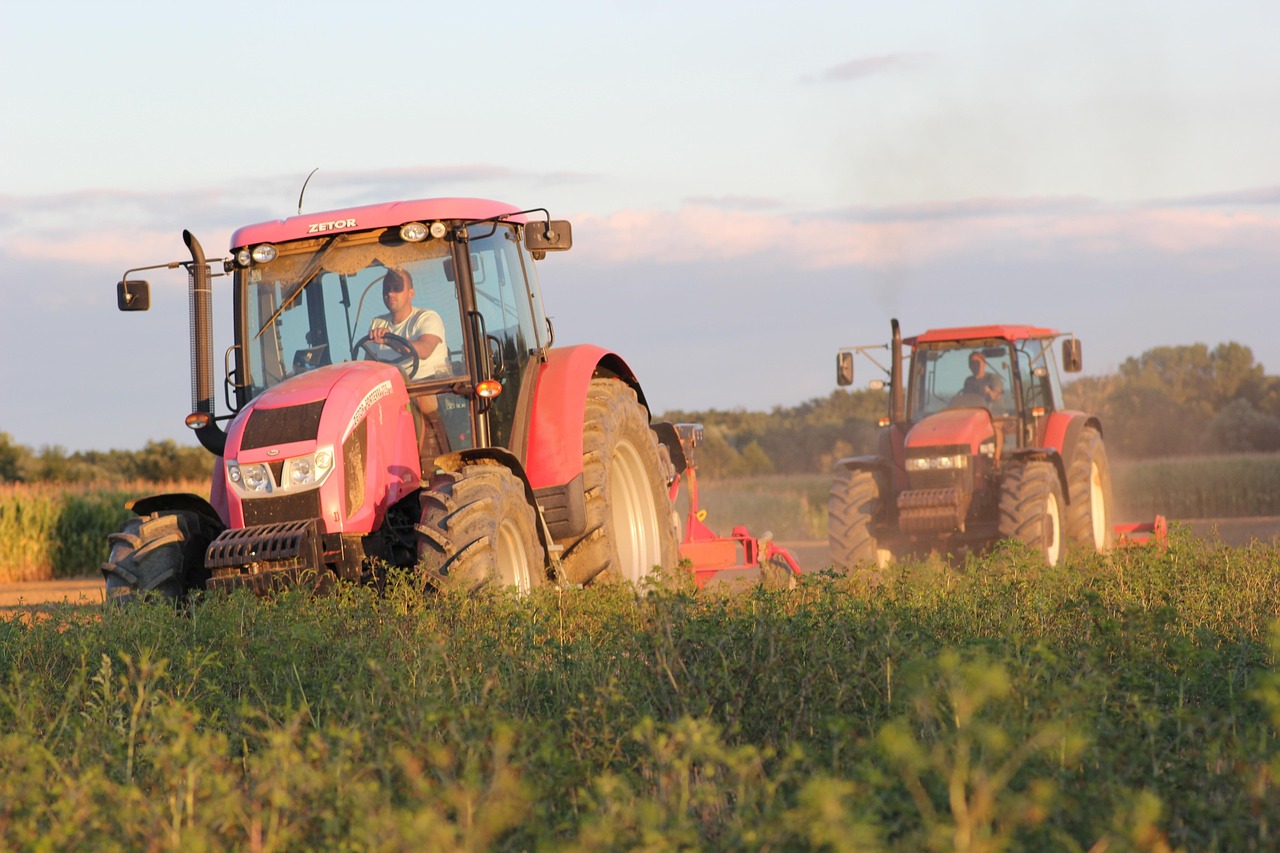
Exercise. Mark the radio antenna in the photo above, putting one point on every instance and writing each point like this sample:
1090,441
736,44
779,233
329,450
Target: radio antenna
304,187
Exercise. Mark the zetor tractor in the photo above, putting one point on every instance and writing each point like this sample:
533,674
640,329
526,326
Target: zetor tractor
977,447
395,401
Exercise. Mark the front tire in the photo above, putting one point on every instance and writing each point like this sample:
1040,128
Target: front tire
630,522
851,512
1031,508
158,554
1089,482
479,529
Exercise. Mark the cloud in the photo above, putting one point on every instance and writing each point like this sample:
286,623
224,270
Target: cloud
915,234
870,66
735,202
1256,196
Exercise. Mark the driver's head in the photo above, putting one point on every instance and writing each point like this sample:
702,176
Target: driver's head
396,281
976,363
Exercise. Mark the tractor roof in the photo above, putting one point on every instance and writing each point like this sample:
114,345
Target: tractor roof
369,216
972,333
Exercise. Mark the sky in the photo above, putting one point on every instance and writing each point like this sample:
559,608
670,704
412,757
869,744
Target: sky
752,185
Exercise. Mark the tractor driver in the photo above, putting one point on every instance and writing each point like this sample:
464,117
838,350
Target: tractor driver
424,330
421,327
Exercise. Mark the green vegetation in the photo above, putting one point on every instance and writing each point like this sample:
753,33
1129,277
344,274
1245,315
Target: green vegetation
58,531
1128,702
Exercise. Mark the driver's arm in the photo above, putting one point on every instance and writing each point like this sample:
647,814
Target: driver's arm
428,333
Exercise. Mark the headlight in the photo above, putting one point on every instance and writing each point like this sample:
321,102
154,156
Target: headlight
938,463
254,478
296,474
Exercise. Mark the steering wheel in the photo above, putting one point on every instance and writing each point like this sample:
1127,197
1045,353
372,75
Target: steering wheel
405,357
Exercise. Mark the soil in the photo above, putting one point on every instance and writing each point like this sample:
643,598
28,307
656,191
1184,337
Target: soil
809,554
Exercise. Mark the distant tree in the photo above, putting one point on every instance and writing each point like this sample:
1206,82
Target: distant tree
1240,428
13,459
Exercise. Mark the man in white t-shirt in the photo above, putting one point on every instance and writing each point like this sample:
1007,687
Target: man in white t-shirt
424,330
421,327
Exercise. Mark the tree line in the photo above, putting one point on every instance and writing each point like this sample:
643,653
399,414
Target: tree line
1169,401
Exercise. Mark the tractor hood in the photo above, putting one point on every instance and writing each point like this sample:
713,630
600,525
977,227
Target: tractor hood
967,426
336,443
324,404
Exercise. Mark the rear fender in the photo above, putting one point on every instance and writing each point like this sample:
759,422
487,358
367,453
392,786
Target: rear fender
554,448
1062,432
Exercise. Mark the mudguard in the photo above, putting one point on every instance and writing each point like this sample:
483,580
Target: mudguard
1063,430
553,455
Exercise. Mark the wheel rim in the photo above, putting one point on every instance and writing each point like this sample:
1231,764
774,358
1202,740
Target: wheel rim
1097,507
512,557
1052,531
634,517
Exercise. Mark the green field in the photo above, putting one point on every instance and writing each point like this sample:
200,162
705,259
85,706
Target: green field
1122,703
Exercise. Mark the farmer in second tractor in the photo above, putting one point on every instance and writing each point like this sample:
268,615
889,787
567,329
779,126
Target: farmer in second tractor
424,330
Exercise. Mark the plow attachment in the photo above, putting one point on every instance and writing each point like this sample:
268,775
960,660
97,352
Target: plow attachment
1143,533
738,558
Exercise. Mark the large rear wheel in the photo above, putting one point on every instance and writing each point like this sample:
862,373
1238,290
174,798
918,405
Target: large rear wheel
1088,515
1031,508
852,507
630,524
478,529
159,554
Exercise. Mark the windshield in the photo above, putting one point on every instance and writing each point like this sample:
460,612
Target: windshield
970,373
318,299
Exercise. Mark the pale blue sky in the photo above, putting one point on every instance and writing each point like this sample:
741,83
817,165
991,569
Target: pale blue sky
753,185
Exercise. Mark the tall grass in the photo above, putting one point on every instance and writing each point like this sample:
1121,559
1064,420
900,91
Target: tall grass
55,531
1200,487
1127,702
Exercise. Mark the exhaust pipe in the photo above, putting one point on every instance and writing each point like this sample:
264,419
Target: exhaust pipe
897,405
201,418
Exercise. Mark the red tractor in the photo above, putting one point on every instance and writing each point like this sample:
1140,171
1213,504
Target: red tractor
977,447
395,401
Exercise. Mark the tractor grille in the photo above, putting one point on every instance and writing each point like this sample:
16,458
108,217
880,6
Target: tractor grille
268,427
281,508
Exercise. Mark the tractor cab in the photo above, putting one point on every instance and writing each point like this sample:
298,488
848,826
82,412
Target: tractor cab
456,301
1009,372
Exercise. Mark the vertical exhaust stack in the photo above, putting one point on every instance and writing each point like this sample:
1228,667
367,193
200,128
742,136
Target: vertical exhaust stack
210,434
897,405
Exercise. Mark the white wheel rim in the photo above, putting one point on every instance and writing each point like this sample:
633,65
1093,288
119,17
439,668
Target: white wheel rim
512,557
635,518
1097,507
1053,531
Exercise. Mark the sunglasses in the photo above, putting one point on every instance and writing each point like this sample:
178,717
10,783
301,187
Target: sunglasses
392,286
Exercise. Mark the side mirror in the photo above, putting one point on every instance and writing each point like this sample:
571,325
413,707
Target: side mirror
844,368
1072,360
541,237
133,295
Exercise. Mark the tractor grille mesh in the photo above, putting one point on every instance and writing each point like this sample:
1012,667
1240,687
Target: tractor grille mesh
267,427
280,508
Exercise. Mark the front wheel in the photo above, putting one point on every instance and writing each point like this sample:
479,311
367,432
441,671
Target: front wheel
478,529
1031,508
852,508
630,523
159,554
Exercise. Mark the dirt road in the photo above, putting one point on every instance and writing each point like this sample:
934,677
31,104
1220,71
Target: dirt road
810,554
